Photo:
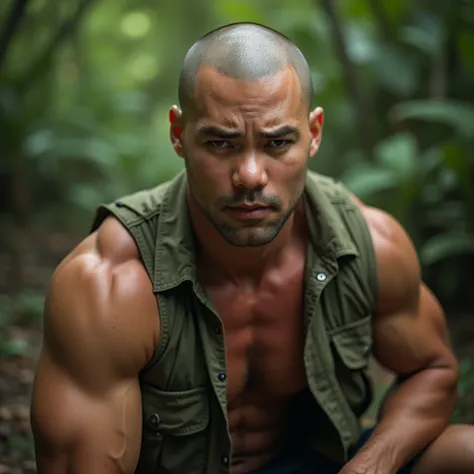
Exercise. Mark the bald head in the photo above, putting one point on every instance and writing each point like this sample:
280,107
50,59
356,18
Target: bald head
243,51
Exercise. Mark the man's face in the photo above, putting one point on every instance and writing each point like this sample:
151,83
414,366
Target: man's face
246,147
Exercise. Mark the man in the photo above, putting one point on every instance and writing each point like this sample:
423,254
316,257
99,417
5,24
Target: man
223,322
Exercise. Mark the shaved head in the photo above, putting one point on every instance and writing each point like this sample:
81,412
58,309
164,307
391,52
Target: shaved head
244,51
245,131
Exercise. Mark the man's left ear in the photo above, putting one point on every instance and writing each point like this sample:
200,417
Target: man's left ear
316,121
176,129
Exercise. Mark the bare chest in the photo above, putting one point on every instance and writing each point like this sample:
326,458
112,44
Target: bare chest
264,336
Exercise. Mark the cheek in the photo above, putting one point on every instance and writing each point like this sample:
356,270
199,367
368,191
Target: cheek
212,169
210,176
288,176
292,167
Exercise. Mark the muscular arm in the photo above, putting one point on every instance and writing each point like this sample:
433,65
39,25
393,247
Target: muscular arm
86,408
411,340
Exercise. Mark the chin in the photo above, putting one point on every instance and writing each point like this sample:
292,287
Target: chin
249,237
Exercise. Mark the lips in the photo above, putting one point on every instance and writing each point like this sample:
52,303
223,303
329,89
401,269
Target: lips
249,211
250,207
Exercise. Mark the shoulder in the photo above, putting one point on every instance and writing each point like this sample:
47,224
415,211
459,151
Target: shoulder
398,266
100,306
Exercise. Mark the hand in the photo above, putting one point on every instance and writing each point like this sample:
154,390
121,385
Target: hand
358,465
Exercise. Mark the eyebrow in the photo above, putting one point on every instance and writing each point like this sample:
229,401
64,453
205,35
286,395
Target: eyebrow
213,131
281,132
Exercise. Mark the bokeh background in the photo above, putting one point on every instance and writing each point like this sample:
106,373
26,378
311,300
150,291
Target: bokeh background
85,87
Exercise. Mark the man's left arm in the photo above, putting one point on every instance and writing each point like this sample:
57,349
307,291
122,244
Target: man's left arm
410,339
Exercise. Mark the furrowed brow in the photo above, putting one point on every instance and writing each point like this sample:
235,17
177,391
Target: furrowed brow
281,132
213,131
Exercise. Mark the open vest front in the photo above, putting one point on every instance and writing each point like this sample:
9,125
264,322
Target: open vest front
185,426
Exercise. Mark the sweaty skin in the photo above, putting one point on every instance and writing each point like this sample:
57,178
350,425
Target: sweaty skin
100,327
243,142
86,405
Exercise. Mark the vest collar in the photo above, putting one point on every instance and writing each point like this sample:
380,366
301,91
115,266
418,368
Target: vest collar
176,247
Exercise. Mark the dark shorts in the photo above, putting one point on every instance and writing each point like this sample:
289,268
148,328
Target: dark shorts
310,463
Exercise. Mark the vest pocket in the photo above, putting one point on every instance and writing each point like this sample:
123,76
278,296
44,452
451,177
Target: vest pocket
174,424
353,343
352,347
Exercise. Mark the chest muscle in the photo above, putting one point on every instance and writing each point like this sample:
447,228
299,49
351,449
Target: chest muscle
263,336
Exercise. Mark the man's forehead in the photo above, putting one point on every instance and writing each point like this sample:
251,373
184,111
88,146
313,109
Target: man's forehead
214,89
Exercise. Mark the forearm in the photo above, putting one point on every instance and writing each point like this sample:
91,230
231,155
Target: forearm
413,416
80,463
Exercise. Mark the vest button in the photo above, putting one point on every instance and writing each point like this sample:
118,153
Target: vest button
218,330
222,376
119,204
321,276
225,460
154,420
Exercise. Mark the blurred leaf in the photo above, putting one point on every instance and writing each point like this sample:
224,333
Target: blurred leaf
398,153
466,48
14,347
6,307
458,162
388,65
427,34
466,379
85,196
396,9
132,102
39,142
447,245
366,181
361,46
447,214
431,160
90,149
77,120
30,303
456,114
10,104
47,147
241,10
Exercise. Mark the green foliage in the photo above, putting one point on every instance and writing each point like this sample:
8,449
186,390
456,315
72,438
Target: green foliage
25,309
84,120
465,411
457,115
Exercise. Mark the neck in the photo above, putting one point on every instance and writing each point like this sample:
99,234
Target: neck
243,263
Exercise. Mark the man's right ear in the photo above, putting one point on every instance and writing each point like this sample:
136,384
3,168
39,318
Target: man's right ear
176,130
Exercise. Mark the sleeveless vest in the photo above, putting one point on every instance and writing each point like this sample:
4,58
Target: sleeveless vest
183,387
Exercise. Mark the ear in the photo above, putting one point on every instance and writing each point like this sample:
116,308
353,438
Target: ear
176,130
316,121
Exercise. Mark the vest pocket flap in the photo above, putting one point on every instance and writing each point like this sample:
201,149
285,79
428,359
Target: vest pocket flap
354,343
175,413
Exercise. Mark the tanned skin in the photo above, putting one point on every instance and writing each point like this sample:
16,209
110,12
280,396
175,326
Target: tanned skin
102,321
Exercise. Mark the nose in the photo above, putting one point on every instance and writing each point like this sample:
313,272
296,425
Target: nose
250,172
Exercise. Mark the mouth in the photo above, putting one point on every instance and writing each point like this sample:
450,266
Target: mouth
252,211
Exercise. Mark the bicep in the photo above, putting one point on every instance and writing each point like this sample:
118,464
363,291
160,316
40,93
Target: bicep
413,338
410,332
76,431
86,404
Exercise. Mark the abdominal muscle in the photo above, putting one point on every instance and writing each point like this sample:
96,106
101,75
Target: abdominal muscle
261,388
257,428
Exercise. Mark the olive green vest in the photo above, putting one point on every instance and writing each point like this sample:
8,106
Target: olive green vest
185,425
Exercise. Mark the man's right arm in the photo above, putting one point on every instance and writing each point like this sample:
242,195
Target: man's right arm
99,331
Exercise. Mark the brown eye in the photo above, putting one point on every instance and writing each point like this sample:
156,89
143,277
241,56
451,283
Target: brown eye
279,143
221,144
